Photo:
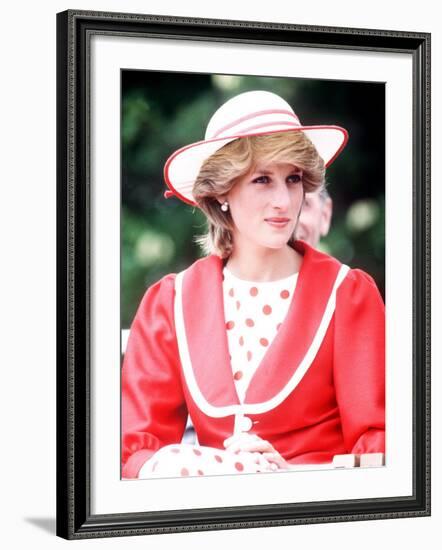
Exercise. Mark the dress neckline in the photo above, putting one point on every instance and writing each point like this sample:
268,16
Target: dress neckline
290,278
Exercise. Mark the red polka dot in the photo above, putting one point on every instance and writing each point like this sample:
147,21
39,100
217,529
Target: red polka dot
249,355
197,452
218,458
250,323
184,472
200,473
230,325
174,450
253,291
231,292
285,294
238,304
241,341
239,466
264,342
238,374
278,326
267,310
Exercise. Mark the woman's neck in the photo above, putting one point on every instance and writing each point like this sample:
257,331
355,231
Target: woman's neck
264,264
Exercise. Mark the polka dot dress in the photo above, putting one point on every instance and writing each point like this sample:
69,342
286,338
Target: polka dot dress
254,312
183,460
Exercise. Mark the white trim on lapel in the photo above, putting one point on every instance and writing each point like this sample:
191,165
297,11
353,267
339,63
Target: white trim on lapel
249,408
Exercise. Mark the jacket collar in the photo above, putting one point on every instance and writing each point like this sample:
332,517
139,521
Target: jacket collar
204,321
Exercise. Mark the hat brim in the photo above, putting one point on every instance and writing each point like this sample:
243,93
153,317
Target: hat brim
183,166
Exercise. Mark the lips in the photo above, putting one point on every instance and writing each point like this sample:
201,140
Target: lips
277,222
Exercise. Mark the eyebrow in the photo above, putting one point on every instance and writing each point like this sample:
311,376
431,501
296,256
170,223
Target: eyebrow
270,173
265,172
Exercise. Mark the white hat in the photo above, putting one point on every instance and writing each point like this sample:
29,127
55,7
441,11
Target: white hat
247,114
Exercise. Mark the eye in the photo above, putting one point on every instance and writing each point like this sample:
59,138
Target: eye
261,179
295,178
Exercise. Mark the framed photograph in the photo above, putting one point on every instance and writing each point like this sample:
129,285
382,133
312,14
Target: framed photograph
243,275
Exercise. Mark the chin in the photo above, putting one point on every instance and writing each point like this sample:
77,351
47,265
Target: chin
276,244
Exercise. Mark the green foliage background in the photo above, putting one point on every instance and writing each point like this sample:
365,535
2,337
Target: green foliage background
162,111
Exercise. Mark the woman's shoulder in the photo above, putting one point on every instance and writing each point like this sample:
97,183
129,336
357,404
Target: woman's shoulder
158,294
356,284
323,259
357,275
166,284
203,273
359,286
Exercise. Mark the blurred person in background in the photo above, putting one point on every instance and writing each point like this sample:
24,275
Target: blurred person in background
274,349
315,219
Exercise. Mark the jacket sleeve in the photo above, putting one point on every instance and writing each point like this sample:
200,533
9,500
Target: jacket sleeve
359,363
154,412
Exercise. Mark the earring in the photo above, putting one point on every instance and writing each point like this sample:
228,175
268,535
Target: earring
225,206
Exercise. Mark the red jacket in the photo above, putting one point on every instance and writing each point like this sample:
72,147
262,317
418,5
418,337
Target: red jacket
319,390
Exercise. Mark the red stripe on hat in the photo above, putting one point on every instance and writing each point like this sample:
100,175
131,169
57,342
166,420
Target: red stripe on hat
253,115
264,125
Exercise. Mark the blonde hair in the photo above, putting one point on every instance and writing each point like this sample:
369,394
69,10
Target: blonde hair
220,173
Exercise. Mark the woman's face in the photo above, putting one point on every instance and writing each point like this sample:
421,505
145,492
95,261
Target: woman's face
265,205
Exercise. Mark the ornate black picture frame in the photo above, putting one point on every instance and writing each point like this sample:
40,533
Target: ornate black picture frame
74,215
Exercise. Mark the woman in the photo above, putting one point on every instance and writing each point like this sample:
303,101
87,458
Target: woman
275,350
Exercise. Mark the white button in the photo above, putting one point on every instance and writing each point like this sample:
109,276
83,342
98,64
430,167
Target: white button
246,424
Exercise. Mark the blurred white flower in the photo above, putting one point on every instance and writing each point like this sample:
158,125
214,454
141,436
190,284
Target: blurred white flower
226,82
362,215
154,248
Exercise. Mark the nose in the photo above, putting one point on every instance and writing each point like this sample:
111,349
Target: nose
280,196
